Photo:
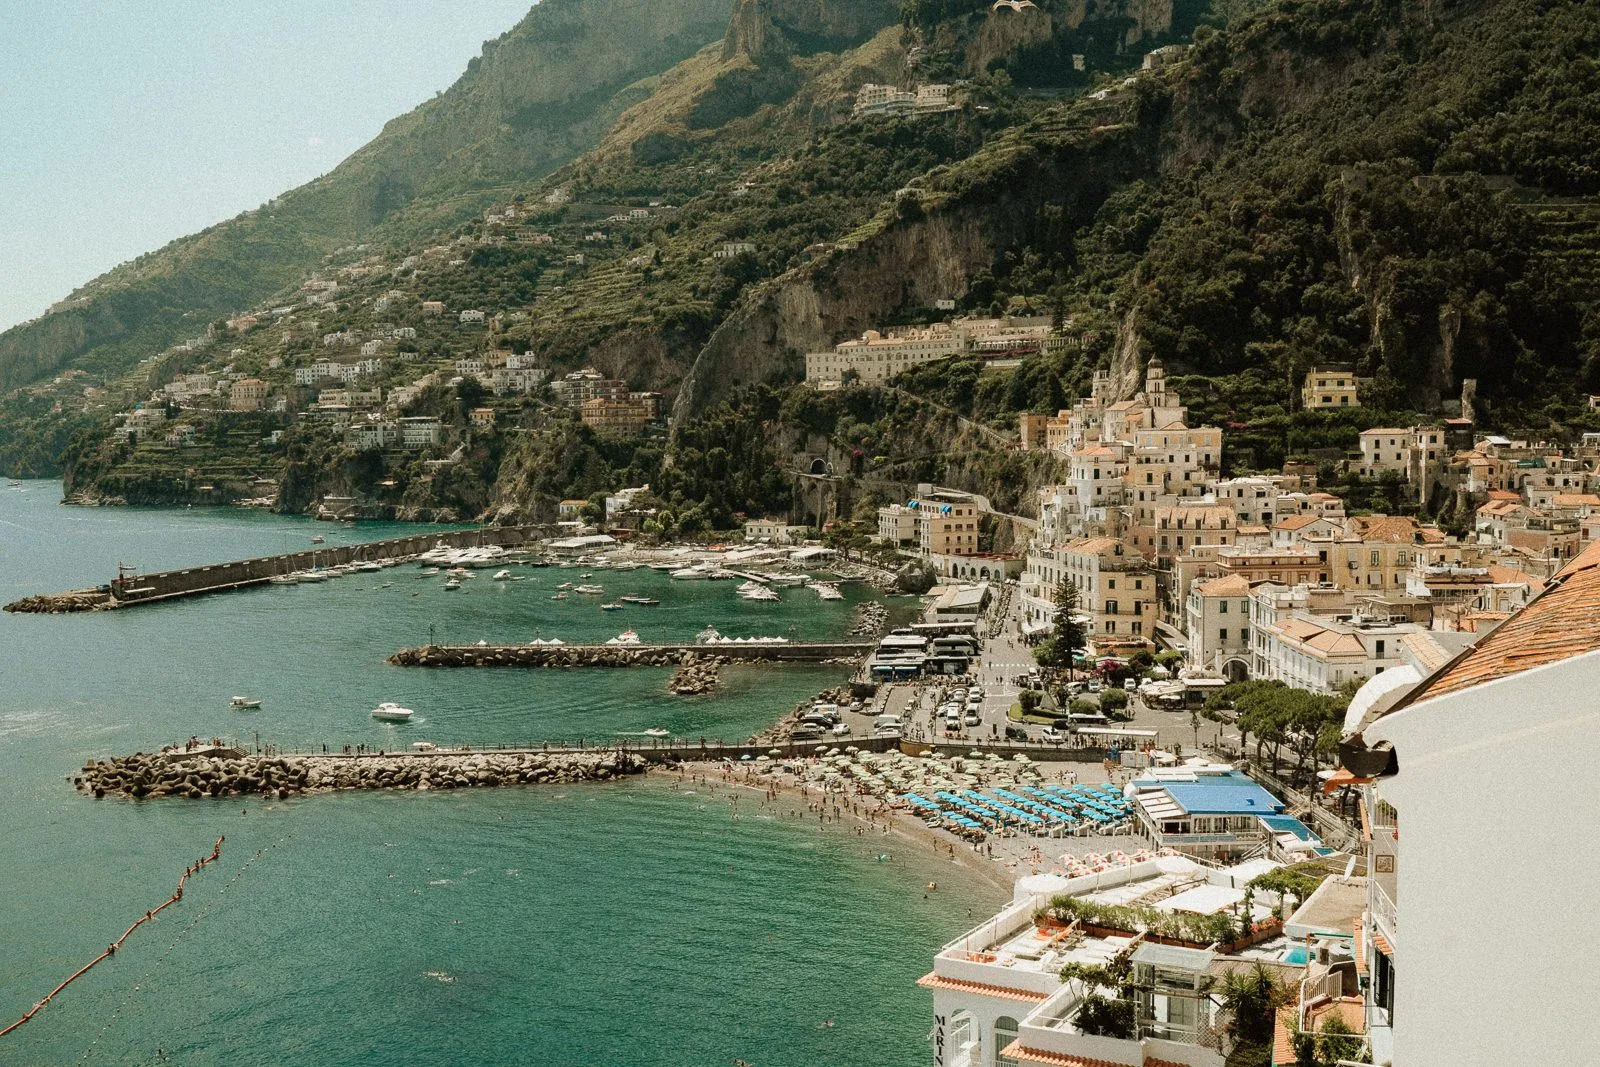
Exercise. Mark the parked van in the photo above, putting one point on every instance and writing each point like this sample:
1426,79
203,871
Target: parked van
883,721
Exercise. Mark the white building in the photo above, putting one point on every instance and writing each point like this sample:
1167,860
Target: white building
1526,697
472,315
1217,626
420,431
1323,653
998,995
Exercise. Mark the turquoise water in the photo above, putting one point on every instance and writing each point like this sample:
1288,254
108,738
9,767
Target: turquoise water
605,924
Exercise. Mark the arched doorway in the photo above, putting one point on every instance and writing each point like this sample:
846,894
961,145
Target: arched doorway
1236,670
819,466
1005,1032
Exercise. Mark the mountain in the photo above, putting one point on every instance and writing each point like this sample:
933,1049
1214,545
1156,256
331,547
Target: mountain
539,95
1408,188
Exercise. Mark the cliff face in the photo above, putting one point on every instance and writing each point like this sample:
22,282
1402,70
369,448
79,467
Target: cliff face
762,28
918,258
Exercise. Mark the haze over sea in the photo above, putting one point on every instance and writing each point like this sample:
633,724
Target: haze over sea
603,924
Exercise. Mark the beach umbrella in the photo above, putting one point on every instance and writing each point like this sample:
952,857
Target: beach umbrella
763,758
774,751
853,748
745,756
1021,757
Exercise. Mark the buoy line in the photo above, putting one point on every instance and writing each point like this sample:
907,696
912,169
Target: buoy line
111,949
181,936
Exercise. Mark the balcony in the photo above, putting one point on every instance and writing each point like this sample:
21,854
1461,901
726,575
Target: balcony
1384,912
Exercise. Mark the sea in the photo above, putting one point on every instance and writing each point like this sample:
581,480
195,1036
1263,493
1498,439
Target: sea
609,923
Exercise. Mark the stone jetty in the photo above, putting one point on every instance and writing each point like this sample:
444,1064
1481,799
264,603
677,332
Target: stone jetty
562,656
697,675
61,603
227,772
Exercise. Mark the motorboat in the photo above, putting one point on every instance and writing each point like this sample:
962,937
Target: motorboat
612,607
319,539
314,576
647,602
690,573
559,596
389,711
453,583
430,570
244,703
590,590
657,731
502,576
564,585
626,637
284,579
368,567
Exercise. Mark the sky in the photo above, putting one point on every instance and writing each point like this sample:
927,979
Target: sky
127,123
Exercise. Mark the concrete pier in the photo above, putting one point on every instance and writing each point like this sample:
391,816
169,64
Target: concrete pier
625,655
154,588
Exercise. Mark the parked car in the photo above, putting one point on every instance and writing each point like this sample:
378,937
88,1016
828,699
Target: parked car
974,719
1016,733
1130,684
1095,686
841,729
1054,736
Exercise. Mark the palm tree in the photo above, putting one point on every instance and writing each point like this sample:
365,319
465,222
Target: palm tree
1253,998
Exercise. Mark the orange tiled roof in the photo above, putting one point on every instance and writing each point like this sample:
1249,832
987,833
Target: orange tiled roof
1227,585
1574,500
1351,1010
1504,494
1382,944
1283,1037
933,980
1298,522
1023,1054
1561,622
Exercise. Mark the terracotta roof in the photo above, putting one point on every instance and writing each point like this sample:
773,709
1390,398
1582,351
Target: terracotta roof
933,980
1561,622
1352,1010
1501,575
1391,430
1575,500
1092,546
1283,1037
1496,508
1227,585
1504,494
1023,1054
1248,529
1298,522
1382,944
1396,529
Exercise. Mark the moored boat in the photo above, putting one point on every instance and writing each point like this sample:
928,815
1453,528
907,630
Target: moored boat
244,703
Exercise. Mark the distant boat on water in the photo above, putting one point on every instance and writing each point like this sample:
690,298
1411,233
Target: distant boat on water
244,703
389,711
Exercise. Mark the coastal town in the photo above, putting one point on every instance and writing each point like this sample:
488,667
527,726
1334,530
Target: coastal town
777,533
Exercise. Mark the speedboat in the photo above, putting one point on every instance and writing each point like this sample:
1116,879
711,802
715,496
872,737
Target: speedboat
501,576
657,731
788,579
389,711
612,607
454,583
626,637
244,703
317,540
564,585
590,590
559,596
368,567
647,602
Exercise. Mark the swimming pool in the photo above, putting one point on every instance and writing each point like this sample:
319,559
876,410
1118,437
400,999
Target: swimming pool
1296,955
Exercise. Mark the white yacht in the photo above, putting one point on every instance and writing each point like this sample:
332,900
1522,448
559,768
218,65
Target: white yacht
389,711
453,584
502,576
590,590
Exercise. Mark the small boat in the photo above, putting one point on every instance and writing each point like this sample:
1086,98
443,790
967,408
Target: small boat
430,570
759,592
314,576
585,575
647,602
612,607
564,585
368,567
244,703
626,637
317,540
454,583
502,576
389,711
283,579
657,731
590,590
559,596
788,579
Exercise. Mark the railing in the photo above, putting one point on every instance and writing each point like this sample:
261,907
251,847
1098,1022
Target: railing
1384,910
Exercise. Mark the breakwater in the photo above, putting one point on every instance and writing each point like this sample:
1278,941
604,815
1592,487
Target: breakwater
226,772
641,655
156,587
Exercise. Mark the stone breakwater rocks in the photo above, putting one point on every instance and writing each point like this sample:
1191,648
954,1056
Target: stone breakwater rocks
538,656
220,773
696,676
871,617
61,603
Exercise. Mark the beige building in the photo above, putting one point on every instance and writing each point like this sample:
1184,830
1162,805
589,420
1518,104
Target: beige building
621,416
247,394
1329,387
897,526
947,524
1116,589
876,357
1218,626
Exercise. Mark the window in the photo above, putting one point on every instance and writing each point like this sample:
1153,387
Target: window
1111,607
1244,636
1222,634
1222,608
1005,1032
1138,627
